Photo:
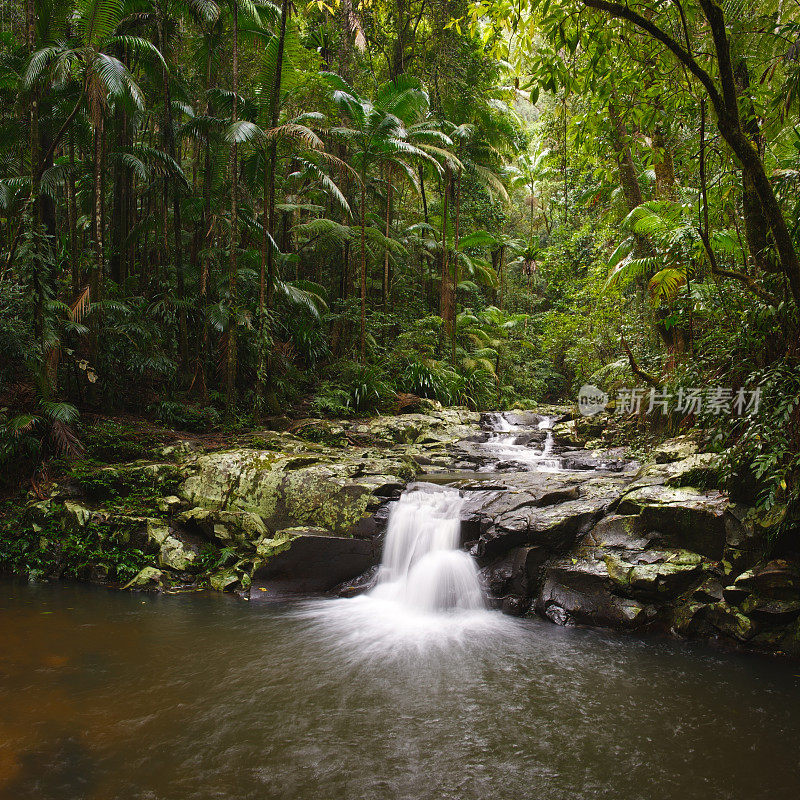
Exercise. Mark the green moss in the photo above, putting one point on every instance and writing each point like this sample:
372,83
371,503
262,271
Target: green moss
114,443
131,486
48,548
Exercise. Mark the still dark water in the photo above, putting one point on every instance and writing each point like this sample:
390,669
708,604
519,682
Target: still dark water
111,695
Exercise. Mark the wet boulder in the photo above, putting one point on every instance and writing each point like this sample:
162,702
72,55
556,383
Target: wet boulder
227,528
148,578
177,550
677,449
686,518
359,584
313,561
620,532
656,574
554,527
516,572
579,591
730,622
299,490
777,580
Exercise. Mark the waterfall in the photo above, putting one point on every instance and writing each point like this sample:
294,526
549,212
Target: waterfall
498,422
515,447
423,567
546,424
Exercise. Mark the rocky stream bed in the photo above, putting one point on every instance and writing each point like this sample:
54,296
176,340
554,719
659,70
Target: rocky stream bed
577,535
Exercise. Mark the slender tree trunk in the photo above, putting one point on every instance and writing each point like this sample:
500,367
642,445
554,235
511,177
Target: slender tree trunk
363,267
231,354
502,274
72,213
445,289
274,116
206,228
564,163
422,192
97,266
35,193
387,232
455,267
266,294
117,190
172,187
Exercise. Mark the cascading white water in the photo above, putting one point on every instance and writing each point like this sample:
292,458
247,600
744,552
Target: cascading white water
498,422
428,598
423,567
515,447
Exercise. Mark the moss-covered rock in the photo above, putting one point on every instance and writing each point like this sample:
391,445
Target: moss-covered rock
656,574
286,491
731,622
676,449
687,518
148,578
238,528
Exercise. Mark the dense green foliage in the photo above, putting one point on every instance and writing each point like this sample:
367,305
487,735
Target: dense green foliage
216,211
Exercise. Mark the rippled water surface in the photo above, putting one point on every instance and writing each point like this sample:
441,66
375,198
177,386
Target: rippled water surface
111,695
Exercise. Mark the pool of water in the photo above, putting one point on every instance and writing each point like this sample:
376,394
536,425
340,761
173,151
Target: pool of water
113,695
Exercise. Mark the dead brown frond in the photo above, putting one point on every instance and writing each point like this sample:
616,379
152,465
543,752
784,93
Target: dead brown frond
81,307
65,440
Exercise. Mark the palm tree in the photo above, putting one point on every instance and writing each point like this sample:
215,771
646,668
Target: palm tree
231,355
375,137
88,56
406,98
165,13
278,80
528,173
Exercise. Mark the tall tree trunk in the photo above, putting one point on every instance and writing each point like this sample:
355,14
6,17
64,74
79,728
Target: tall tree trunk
35,174
446,287
663,163
422,192
174,191
231,354
267,252
97,265
455,267
362,214
565,175
206,233
389,188
274,116
620,141
72,213
502,275
756,227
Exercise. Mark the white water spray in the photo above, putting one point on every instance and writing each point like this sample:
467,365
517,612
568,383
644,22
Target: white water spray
428,597
423,567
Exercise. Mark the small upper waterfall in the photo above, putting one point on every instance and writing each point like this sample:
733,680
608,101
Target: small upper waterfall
497,421
515,447
423,567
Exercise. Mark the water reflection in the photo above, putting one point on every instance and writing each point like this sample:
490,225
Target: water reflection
110,695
